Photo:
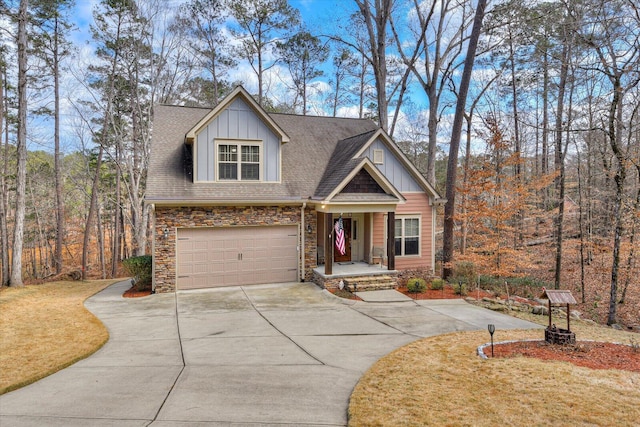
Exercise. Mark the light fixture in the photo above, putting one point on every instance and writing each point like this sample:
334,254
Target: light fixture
165,233
492,329
309,228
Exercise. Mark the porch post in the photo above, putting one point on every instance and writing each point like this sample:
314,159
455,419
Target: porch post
391,240
328,243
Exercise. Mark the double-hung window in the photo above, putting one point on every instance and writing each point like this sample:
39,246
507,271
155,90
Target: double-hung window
238,162
407,236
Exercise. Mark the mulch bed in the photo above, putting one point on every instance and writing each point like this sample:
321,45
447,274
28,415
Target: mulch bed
589,354
445,293
134,293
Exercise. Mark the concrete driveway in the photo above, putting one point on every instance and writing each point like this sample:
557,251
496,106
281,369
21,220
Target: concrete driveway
269,355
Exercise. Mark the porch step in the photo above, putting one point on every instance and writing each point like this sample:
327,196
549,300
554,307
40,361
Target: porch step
370,283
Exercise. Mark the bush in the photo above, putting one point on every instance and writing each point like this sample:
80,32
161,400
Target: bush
416,285
437,284
464,272
460,289
140,268
527,286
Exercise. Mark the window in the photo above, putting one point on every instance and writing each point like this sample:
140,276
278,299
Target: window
407,236
238,162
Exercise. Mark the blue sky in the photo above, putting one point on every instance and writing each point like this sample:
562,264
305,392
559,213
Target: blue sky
320,16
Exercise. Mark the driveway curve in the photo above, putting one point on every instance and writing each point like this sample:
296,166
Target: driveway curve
269,355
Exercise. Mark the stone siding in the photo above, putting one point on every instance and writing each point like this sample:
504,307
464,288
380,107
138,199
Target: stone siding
172,218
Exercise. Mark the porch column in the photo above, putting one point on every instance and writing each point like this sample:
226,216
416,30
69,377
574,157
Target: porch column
391,240
328,243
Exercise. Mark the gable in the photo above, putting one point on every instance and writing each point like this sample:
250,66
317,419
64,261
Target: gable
363,182
238,123
392,167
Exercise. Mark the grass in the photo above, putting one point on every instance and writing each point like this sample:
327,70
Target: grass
45,328
441,381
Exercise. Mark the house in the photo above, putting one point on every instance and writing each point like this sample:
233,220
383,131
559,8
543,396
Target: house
241,196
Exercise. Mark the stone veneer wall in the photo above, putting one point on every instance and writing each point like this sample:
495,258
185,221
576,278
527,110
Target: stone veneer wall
173,218
404,275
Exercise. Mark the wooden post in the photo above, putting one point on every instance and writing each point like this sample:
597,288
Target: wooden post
568,317
328,244
391,240
549,313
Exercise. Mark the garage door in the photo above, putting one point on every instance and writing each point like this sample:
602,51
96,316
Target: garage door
211,257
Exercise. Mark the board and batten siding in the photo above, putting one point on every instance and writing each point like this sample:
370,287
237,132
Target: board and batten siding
238,122
416,204
392,168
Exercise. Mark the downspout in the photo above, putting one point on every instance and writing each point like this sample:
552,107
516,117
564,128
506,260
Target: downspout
302,251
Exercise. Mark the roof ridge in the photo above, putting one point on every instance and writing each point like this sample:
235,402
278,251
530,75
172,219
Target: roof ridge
320,117
184,106
359,135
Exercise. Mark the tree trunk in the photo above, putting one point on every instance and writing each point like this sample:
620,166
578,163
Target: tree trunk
115,243
615,137
92,212
21,175
632,238
60,220
432,126
449,207
4,230
545,128
377,38
100,235
559,159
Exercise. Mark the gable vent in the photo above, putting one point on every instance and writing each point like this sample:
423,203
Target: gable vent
378,157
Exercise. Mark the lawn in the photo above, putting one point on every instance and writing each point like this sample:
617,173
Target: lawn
441,381
45,328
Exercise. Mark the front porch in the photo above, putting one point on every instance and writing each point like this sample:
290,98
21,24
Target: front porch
356,276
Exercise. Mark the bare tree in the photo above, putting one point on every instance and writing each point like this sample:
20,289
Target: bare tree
50,44
259,25
614,41
21,174
303,53
4,230
439,35
202,23
452,167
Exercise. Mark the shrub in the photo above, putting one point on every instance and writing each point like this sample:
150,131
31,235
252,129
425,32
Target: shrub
140,268
437,284
416,285
460,289
464,272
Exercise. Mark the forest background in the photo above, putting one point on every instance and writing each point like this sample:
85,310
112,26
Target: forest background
547,174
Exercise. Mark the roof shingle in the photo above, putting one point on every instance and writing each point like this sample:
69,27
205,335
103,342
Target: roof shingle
315,143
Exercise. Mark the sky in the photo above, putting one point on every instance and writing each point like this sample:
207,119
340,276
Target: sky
318,15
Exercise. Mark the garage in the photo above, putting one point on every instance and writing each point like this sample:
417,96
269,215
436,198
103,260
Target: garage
233,256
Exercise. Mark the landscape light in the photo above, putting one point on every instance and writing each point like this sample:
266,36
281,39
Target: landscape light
492,329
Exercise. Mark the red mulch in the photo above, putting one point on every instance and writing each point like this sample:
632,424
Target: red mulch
134,293
446,293
594,355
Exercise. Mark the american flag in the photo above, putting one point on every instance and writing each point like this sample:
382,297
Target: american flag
340,245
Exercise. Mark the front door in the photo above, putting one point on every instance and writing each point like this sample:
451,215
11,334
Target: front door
346,224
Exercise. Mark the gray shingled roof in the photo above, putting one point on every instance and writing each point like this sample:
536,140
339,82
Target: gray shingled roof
317,158
341,163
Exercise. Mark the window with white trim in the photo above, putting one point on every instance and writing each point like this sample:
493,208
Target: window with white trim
407,236
238,162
